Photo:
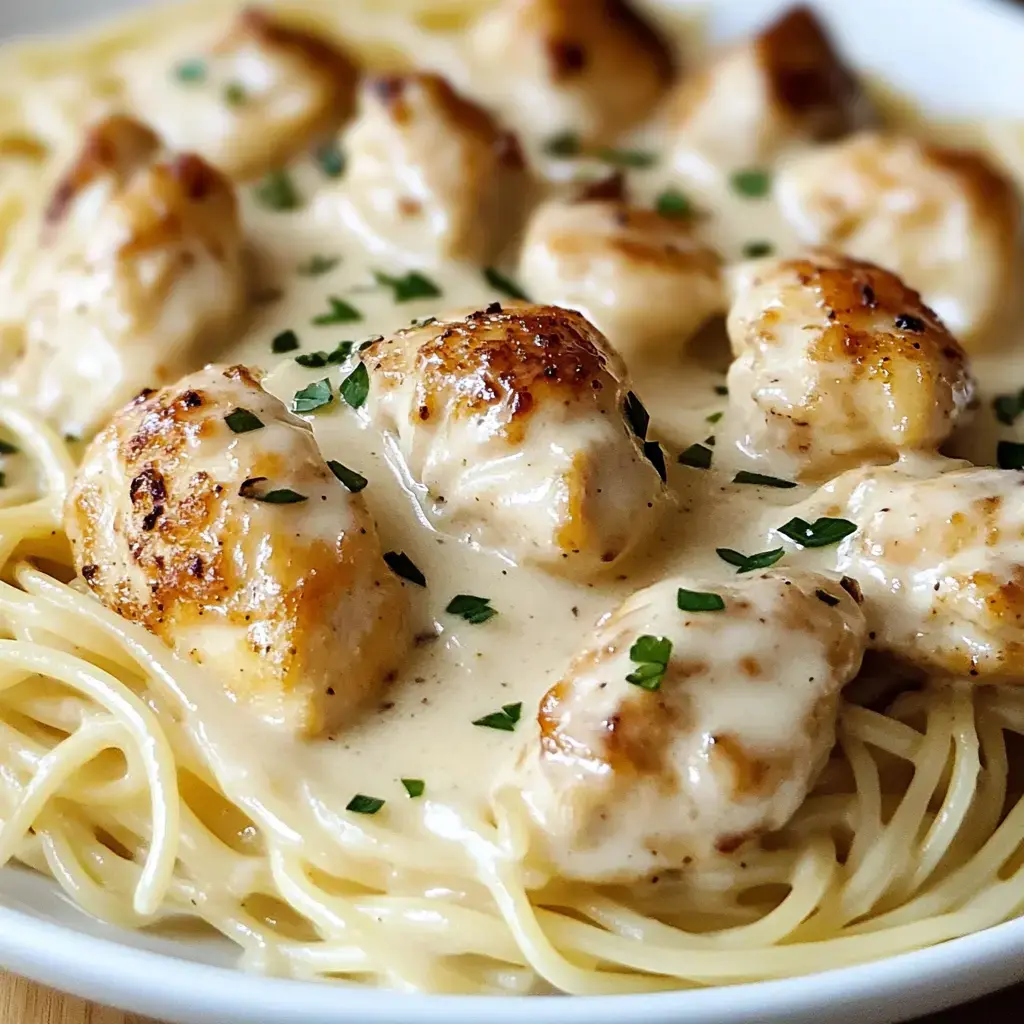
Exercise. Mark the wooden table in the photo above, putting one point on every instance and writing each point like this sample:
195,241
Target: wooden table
24,1003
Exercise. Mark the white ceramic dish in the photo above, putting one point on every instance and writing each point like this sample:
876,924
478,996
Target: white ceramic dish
956,58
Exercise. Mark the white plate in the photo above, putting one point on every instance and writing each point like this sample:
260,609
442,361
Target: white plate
956,57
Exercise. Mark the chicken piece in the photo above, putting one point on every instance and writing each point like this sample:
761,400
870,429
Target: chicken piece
429,173
941,562
945,220
253,98
644,279
785,87
137,275
838,363
512,421
675,735
230,539
592,68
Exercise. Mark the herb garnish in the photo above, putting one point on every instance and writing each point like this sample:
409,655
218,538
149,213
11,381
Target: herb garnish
830,599
241,421
819,534
281,496
402,565
564,144
286,341
356,386
317,265
505,719
411,286
6,448
337,355
721,389
313,396
234,94
698,601
672,203
277,192
425,321
636,415
748,563
760,480
1008,407
696,456
340,312
474,610
626,157
330,158
656,457
714,417
756,249
354,481
312,360
191,71
3,479
1010,455
414,787
497,280
752,183
651,654
361,804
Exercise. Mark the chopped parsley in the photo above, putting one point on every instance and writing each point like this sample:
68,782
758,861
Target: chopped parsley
637,158
341,312
1010,455
748,563
330,159
356,386
414,787
761,480
277,192
697,456
505,719
313,396
3,479
340,352
714,417
819,534
354,481
756,249
721,389
636,415
1008,407
651,653
286,341
312,360
563,145
672,203
411,286
498,281
234,94
281,496
402,565
241,421
824,596
6,448
360,804
317,265
315,360
751,183
698,601
191,71
474,610
425,321
367,342
656,457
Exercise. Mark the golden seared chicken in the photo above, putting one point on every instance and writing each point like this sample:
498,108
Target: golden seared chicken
512,421
945,220
675,735
205,512
591,68
838,363
646,280
429,172
252,98
941,562
784,87
137,275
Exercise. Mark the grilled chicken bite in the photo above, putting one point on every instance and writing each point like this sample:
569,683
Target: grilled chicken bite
512,422
785,86
205,512
429,172
589,67
838,363
253,98
675,735
945,220
137,269
941,563
646,280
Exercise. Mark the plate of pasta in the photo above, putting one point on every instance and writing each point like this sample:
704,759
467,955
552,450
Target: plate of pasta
513,509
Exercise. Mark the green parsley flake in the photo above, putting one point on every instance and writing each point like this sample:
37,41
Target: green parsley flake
563,145
656,457
1010,455
474,610
340,353
6,448
698,601
1008,407
412,286
277,192
317,265
748,563
252,488
241,421
697,456
354,481
499,282
505,720
824,596
402,565
721,389
286,341
672,203
313,396
312,360
635,158
3,479
714,417
330,159
752,183
819,534
414,787
360,804
651,653
341,312
424,321
234,94
760,480
637,416
191,71
754,250
356,386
